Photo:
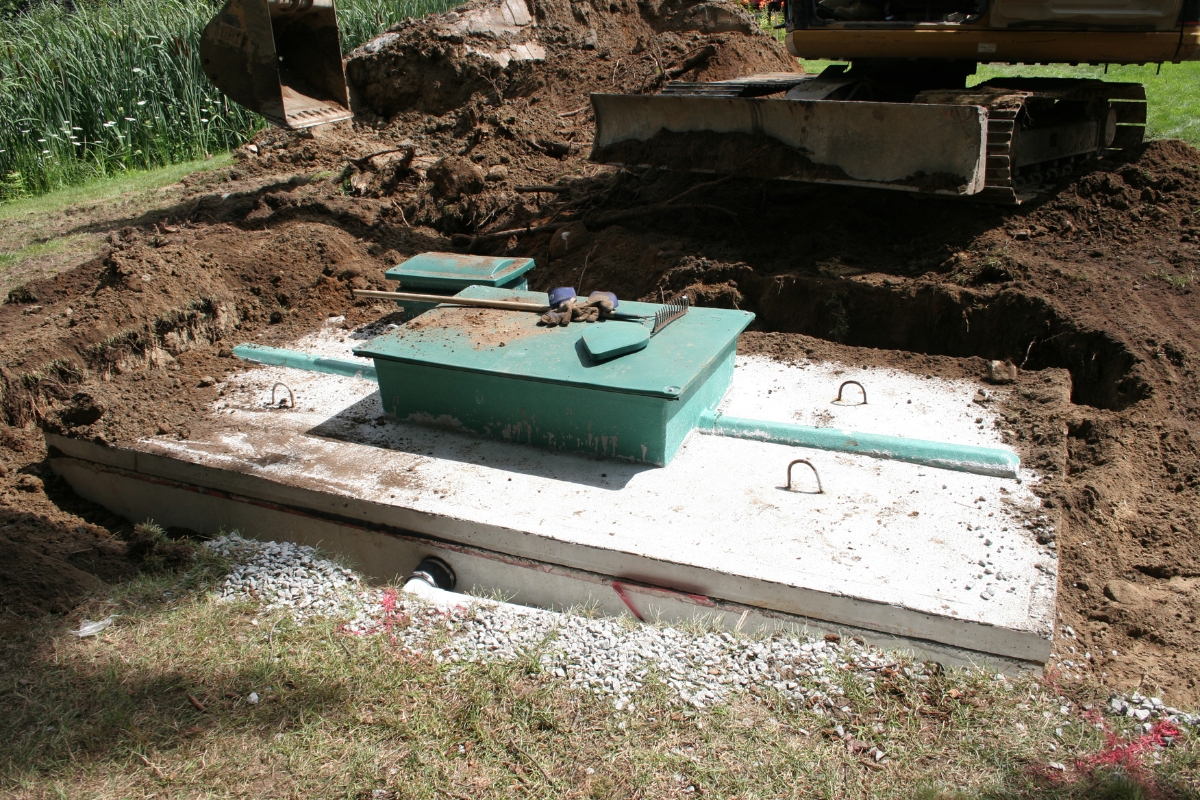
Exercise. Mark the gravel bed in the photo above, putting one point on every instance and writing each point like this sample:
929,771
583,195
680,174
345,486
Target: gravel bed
286,575
1147,710
609,657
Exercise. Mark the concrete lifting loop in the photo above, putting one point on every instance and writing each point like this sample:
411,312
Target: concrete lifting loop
820,489
291,397
855,383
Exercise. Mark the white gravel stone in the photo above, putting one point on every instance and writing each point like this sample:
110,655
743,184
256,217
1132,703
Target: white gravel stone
608,657
286,575
1148,710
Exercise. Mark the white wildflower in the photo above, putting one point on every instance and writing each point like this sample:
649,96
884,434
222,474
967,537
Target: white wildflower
109,124
130,119
142,102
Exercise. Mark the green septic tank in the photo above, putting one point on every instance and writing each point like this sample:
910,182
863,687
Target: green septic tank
448,273
502,375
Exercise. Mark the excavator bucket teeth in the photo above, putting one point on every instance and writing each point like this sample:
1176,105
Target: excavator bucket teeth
923,148
280,58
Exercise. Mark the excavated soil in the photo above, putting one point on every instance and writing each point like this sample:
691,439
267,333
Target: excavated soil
476,141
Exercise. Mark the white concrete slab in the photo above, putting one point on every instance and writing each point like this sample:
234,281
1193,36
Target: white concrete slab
906,550
334,340
898,403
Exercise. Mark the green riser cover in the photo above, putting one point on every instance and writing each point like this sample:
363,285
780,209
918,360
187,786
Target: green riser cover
643,429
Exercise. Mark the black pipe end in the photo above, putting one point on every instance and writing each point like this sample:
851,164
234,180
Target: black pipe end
436,573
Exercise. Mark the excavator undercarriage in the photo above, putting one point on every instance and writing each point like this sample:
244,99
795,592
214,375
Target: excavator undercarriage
902,115
1003,141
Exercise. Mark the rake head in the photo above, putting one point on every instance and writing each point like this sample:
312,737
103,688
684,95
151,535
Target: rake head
673,310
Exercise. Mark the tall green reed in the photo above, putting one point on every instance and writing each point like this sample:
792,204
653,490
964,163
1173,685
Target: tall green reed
114,85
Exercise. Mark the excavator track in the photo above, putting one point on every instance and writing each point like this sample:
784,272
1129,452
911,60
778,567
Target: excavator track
999,187
1013,177
1003,142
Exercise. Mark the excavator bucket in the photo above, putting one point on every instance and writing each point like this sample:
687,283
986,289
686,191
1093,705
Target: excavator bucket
280,58
938,149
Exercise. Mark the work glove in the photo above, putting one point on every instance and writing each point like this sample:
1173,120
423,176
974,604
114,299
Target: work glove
561,314
599,305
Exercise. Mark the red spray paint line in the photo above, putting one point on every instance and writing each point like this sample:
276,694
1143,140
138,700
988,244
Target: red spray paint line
1128,755
1117,754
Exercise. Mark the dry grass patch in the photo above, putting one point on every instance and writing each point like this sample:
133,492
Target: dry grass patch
185,696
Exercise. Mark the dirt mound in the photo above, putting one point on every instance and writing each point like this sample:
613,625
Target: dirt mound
506,85
458,148
556,50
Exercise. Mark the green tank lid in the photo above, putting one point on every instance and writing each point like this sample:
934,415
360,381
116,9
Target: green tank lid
452,272
500,374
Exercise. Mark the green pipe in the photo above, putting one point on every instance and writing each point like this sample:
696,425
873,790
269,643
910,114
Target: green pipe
943,455
279,357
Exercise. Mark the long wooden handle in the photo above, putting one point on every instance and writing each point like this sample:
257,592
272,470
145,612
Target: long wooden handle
508,305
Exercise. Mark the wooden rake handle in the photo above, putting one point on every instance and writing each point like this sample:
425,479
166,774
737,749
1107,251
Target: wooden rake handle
507,305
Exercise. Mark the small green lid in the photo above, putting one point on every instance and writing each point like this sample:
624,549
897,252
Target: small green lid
452,272
612,339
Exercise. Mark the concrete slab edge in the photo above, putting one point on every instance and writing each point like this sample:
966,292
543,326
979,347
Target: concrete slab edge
385,555
766,597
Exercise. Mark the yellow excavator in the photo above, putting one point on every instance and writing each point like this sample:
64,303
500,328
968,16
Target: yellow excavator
899,116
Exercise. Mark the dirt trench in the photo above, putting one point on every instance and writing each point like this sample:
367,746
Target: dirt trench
1097,279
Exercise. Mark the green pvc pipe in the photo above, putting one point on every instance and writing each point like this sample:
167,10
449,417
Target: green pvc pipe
943,455
279,357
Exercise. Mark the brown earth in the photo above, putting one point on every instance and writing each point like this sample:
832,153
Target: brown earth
1097,280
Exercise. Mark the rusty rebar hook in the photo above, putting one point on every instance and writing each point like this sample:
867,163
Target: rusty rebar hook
856,383
820,488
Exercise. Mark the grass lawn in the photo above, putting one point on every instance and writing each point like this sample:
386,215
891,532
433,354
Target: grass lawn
109,189
160,705
1172,96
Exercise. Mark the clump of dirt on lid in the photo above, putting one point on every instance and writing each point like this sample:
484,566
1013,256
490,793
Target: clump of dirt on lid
483,327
